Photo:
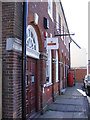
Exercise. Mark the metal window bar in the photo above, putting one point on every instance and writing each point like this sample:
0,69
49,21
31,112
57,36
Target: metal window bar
59,32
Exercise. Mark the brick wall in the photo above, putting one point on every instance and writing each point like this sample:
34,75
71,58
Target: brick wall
37,8
80,74
12,64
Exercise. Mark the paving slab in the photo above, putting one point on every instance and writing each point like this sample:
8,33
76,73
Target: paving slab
80,115
80,109
56,114
69,97
67,108
74,93
62,108
69,101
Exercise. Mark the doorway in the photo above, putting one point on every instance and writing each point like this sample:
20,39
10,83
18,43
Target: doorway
31,67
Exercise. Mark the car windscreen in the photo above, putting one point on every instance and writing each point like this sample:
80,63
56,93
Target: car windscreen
89,78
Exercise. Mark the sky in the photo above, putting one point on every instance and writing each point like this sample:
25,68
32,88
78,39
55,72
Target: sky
76,12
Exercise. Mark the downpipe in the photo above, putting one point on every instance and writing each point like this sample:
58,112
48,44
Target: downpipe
24,60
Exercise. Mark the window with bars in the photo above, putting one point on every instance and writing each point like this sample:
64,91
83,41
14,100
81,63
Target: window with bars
50,8
61,28
64,37
57,20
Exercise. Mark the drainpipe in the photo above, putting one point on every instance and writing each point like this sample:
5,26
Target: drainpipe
24,60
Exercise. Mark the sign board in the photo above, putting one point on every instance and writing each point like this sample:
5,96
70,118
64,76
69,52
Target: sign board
52,43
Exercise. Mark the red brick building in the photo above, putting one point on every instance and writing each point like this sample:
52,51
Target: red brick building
46,66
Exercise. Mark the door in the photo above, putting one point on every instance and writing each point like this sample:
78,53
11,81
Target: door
30,86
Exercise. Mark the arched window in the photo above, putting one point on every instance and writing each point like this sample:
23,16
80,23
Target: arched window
32,42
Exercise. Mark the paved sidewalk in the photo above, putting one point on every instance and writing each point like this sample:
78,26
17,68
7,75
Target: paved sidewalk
73,104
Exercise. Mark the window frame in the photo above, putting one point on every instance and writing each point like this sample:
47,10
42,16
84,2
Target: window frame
57,20
50,9
64,70
61,28
49,67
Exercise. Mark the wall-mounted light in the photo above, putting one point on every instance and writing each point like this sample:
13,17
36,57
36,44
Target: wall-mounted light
36,18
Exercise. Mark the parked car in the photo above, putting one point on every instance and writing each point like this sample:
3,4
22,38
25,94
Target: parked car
87,84
84,81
